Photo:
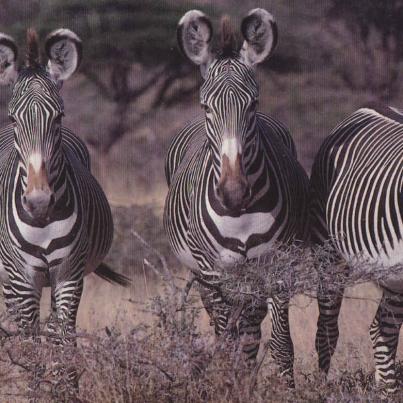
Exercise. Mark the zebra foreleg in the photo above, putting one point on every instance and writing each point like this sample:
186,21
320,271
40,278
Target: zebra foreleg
328,328
250,332
66,297
281,346
219,311
22,301
384,333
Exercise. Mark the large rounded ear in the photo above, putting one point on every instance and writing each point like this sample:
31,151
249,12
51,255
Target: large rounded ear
8,57
260,32
194,34
64,50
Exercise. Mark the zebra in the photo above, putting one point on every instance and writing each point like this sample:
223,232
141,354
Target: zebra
235,185
55,221
357,202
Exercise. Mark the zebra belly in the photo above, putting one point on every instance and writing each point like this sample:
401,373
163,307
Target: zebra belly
186,258
389,259
394,260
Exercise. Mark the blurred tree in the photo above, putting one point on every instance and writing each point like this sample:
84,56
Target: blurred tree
130,51
369,34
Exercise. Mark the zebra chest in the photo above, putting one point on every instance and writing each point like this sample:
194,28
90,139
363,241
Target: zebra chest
43,246
243,227
230,237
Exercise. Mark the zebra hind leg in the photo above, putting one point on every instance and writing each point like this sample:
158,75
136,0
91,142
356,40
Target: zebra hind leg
384,333
281,346
328,328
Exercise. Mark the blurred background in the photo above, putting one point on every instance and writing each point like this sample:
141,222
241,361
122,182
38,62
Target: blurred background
134,91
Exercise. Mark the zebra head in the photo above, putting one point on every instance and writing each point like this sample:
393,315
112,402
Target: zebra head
229,95
36,111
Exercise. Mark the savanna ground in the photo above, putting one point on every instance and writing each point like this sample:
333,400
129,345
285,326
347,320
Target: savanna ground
134,346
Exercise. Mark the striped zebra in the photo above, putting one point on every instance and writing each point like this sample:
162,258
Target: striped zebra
55,221
235,186
357,182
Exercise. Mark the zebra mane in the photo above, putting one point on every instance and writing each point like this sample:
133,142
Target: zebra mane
33,59
228,42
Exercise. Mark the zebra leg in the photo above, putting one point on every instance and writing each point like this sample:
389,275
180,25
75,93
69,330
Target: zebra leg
66,297
218,310
250,330
328,328
22,302
281,346
384,333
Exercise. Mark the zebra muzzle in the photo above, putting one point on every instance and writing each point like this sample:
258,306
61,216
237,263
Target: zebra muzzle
233,189
38,198
38,203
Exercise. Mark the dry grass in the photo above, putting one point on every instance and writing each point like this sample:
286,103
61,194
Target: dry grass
157,362
136,346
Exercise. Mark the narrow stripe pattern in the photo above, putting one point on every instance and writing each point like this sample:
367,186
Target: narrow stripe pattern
59,249
204,233
357,202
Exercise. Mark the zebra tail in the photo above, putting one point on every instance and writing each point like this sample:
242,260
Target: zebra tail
108,274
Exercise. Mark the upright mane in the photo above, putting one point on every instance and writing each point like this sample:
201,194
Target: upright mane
228,42
33,59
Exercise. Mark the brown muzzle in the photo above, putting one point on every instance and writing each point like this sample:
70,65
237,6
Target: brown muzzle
38,197
233,189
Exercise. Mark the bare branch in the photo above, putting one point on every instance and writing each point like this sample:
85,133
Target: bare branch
166,273
95,79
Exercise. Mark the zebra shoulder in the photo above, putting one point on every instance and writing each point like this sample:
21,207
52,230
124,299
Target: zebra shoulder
182,144
269,125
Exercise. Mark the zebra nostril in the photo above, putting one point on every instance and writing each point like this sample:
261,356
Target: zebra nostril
218,192
24,199
52,200
248,192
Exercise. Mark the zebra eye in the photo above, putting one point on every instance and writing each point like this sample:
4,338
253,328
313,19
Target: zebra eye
12,119
206,108
58,119
254,104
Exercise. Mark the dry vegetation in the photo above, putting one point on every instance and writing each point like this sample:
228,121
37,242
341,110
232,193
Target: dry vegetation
147,345
156,363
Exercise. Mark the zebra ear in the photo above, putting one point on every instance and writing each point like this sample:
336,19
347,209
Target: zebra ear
194,34
64,50
260,32
8,57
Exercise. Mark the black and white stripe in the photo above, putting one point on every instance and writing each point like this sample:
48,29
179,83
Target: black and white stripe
357,182
208,234
69,239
